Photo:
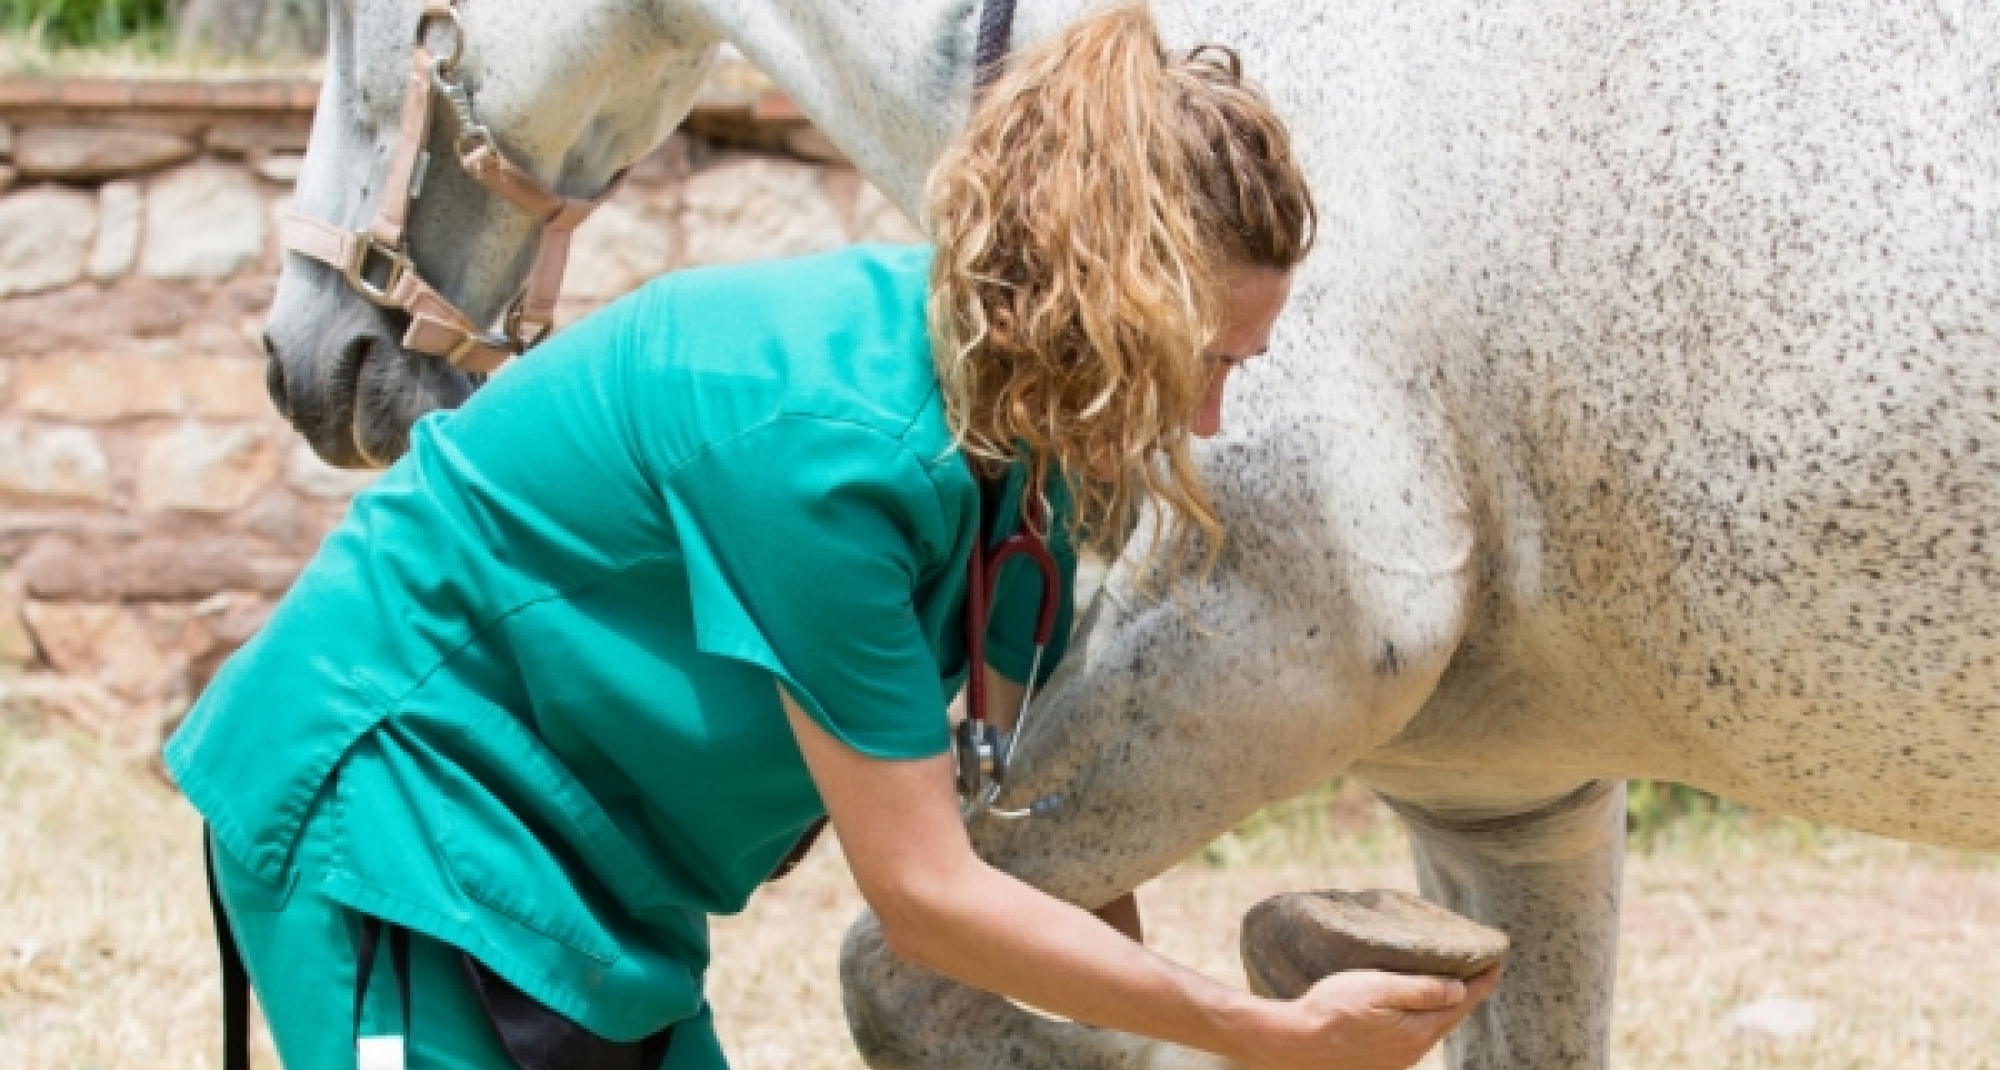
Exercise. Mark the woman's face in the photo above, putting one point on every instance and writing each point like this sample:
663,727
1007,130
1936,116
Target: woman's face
1256,295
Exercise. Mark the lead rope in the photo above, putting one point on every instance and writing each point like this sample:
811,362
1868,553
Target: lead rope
235,979
371,1053
989,56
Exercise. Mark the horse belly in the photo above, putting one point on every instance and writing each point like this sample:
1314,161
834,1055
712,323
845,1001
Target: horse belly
1732,417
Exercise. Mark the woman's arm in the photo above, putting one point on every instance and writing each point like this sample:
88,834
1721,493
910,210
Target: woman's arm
1003,697
942,908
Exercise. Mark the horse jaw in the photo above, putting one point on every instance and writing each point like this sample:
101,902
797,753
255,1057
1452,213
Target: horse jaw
561,104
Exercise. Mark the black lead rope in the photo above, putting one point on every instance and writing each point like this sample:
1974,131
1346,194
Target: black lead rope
996,29
235,980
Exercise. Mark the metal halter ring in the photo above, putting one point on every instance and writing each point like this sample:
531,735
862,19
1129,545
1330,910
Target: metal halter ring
448,64
356,268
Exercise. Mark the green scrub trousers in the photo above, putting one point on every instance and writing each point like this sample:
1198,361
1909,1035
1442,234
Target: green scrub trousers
294,940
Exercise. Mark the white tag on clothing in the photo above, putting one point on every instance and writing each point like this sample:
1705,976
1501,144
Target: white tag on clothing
378,1053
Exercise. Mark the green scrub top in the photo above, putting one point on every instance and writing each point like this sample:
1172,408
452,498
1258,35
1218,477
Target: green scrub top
526,689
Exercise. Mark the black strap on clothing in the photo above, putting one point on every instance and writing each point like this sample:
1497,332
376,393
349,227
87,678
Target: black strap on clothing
799,850
996,30
366,939
235,979
537,1038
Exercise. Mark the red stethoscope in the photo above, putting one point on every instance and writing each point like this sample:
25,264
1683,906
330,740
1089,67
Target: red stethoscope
981,749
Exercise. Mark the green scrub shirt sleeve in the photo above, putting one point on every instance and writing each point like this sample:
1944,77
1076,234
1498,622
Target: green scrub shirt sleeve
1010,634
804,540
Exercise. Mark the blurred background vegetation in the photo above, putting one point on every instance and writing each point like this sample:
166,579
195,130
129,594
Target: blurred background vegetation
53,34
1342,816
60,24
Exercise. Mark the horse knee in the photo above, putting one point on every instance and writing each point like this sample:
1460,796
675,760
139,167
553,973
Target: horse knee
1579,824
1546,874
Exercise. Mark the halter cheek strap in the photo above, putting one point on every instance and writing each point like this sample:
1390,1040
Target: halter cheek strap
376,261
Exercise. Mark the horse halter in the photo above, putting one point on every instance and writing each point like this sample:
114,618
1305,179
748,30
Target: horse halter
376,261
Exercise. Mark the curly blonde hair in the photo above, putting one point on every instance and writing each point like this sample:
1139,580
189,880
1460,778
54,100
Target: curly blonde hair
1083,222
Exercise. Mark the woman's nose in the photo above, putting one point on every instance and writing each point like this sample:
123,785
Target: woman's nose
1207,421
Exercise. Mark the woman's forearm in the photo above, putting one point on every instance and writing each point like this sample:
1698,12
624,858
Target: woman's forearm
987,929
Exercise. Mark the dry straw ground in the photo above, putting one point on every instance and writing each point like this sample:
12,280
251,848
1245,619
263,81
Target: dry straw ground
106,964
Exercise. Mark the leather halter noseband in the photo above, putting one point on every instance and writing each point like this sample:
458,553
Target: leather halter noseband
376,261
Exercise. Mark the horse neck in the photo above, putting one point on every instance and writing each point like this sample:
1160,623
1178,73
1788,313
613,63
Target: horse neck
889,81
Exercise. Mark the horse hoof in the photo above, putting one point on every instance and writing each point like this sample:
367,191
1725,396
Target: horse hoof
1293,940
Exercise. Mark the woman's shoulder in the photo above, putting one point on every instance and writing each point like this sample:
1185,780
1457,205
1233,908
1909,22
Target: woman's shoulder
798,287
840,336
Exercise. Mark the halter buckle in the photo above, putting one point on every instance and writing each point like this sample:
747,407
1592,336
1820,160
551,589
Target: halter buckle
369,251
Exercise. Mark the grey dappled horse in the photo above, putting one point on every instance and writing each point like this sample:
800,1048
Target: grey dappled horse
1637,416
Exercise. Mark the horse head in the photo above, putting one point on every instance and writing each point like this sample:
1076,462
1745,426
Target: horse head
567,94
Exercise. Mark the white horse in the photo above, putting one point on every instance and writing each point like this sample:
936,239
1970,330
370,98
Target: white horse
1637,416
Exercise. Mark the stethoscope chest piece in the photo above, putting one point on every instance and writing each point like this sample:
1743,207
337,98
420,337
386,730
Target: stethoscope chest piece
981,753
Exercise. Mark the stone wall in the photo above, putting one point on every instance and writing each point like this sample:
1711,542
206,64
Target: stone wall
152,504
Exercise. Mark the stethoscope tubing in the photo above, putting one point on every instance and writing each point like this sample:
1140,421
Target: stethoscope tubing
982,785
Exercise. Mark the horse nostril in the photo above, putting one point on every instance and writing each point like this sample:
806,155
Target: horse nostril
274,377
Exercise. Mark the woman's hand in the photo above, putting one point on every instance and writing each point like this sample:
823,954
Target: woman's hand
1365,1020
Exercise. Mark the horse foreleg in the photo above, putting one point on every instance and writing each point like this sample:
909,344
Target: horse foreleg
904,1017
1163,732
1548,876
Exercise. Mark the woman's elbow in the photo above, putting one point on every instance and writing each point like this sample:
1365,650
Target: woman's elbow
917,912
909,941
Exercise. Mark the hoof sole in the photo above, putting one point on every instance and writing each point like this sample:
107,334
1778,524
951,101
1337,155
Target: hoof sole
1291,941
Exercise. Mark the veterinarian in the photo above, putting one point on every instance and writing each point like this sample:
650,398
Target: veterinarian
582,668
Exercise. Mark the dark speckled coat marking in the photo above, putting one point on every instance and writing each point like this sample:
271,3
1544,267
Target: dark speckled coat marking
1638,415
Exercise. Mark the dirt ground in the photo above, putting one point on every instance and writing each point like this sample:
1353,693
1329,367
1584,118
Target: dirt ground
106,961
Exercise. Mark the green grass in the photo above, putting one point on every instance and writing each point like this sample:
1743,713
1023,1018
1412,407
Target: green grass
123,39
150,55
67,24
1656,810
